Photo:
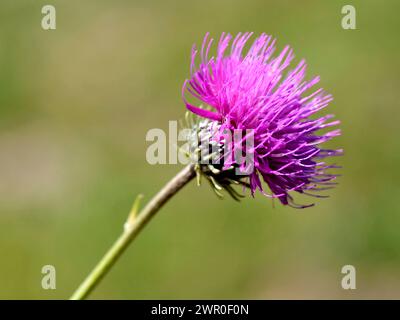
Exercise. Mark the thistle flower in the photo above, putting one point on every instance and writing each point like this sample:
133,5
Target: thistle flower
251,92
251,96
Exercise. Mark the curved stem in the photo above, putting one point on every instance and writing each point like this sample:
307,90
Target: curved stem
132,230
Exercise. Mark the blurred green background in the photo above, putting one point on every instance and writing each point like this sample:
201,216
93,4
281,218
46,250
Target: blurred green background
75,106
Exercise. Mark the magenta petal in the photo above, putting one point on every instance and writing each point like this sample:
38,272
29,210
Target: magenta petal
203,113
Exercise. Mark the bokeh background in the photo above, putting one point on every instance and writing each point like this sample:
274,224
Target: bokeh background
75,106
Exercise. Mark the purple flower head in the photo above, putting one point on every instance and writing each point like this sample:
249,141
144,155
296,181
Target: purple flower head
251,91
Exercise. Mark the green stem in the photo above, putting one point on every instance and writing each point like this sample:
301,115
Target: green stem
132,230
